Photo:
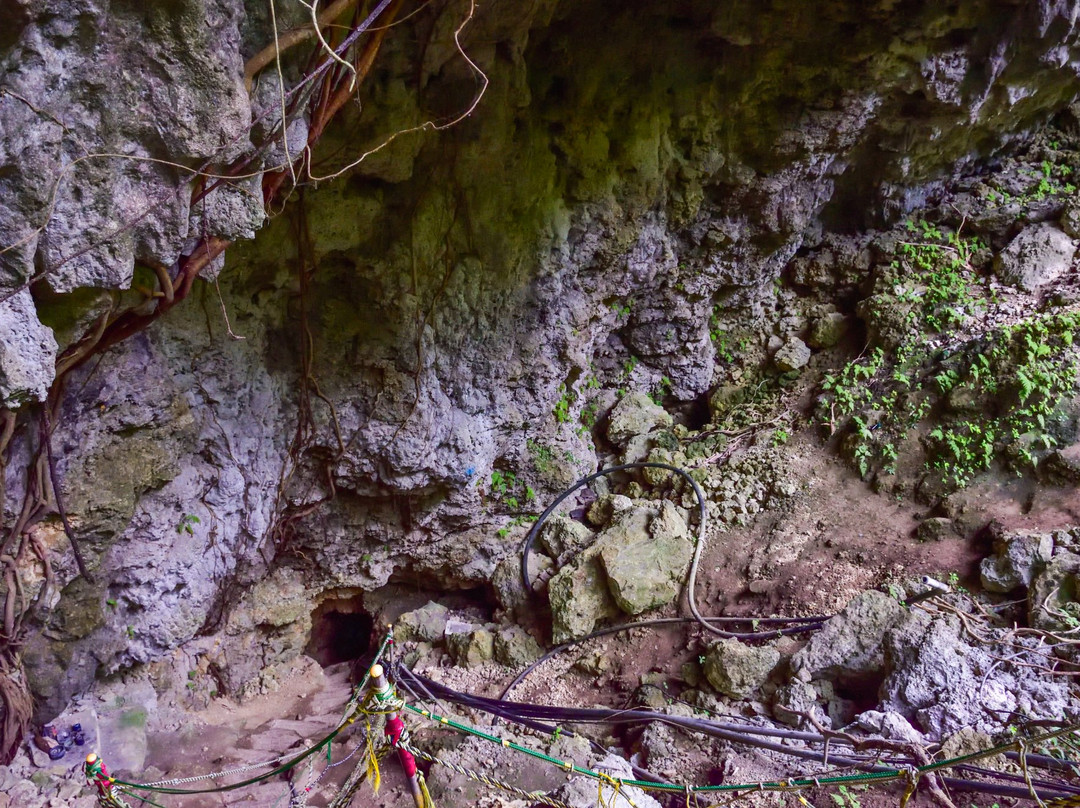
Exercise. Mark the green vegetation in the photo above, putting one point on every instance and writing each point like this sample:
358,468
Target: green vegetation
845,797
187,524
133,718
509,490
661,391
562,407
994,397
1050,180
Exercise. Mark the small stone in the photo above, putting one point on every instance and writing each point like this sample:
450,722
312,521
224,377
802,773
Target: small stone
792,355
935,529
736,669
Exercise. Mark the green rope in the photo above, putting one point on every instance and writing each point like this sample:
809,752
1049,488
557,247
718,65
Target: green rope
143,800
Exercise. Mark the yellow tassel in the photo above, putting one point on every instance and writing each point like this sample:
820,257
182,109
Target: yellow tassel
374,776
1064,802
428,802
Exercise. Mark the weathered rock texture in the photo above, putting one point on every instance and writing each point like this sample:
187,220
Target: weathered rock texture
634,177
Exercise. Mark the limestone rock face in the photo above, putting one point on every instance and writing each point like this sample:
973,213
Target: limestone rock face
156,83
469,285
27,352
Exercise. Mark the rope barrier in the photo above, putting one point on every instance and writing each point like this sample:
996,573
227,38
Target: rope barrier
791,784
377,698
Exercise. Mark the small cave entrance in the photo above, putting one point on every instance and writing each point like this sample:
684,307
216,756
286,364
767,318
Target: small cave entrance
340,631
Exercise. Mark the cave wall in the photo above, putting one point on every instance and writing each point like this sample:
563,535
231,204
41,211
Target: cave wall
634,177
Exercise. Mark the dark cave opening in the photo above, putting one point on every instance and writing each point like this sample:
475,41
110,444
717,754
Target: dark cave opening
340,631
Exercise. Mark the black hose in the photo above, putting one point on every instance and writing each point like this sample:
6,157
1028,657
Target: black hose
520,712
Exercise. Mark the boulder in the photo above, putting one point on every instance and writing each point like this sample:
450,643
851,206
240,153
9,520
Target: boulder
563,538
579,598
892,726
802,697
1037,256
1054,594
581,792
428,623
1017,558
725,398
942,684
509,591
635,414
850,645
826,331
1061,467
515,647
969,742
645,555
736,669
471,648
936,528
606,506
792,355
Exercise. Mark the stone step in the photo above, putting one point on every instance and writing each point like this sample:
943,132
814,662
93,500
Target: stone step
262,795
272,740
338,673
308,727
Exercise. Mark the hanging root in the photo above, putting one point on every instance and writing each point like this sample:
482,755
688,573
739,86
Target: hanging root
16,706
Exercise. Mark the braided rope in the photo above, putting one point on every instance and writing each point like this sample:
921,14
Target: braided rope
179,781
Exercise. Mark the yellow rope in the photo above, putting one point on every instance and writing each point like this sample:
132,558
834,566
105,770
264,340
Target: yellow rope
912,778
615,784
374,776
428,802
